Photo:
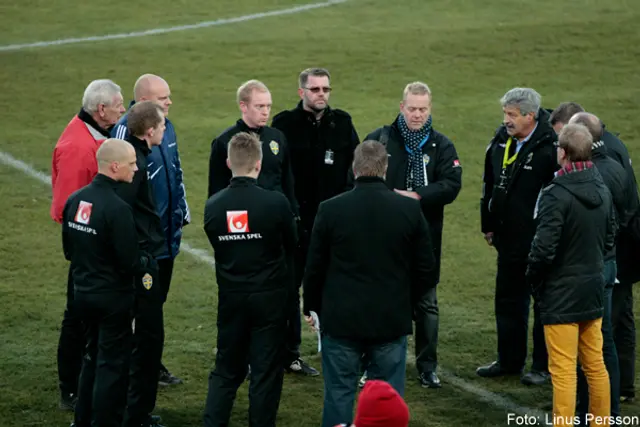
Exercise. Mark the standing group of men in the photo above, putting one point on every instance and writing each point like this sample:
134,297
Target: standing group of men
267,249
122,223
562,177
279,216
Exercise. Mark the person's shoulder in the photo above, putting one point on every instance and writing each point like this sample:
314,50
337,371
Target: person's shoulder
226,135
341,114
270,132
441,139
284,116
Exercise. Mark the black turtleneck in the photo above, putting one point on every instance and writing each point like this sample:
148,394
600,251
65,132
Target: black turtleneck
139,196
86,117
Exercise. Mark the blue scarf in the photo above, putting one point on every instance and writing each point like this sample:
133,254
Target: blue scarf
414,140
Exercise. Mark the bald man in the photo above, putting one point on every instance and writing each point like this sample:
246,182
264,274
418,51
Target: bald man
99,238
165,178
616,180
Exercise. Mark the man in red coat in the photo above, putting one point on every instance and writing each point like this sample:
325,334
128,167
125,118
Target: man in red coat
73,166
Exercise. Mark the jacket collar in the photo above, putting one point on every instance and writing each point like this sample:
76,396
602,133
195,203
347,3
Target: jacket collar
300,109
140,144
243,127
369,182
242,181
104,181
86,117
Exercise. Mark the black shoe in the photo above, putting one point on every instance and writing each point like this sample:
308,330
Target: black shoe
627,399
429,380
494,369
68,401
535,378
166,378
155,421
299,366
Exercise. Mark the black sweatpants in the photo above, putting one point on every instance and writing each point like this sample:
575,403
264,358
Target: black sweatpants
102,390
70,345
624,335
250,326
512,303
148,341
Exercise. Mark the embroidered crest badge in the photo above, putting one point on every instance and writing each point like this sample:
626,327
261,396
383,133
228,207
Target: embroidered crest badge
275,147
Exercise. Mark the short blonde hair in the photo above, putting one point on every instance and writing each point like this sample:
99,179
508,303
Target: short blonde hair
246,90
244,151
416,88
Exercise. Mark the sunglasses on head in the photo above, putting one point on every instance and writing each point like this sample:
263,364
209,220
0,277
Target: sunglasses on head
325,89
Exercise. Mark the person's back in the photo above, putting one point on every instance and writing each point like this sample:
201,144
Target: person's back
252,232
372,233
244,224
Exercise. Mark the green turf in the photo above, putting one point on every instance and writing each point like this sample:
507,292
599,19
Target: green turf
469,52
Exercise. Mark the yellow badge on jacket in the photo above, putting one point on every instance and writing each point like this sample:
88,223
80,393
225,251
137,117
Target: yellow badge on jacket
147,281
275,147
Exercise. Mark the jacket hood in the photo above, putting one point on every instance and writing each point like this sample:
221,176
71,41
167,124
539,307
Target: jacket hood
598,149
581,184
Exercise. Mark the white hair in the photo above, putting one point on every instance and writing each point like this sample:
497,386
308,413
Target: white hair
526,99
99,92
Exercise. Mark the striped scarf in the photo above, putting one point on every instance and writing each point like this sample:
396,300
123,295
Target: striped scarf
575,167
412,138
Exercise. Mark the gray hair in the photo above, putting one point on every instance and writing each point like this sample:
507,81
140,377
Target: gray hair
370,159
99,92
527,100
416,88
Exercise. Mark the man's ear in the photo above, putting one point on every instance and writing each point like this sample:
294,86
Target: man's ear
228,163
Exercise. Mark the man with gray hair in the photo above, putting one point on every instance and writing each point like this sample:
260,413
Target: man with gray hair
520,160
423,165
365,286
73,166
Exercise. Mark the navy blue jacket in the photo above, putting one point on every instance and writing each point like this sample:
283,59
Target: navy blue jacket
165,176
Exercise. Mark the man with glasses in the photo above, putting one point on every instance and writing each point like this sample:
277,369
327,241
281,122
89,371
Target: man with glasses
322,141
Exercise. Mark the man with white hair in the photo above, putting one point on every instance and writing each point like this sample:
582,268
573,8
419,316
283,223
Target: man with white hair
519,162
73,166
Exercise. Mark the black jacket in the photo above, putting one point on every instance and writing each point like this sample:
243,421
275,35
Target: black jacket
628,244
321,155
444,177
139,196
99,238
507,204
252,231
276,162
615,178
369,261
576,226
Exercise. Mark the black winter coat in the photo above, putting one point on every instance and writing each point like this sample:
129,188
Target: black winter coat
444,178
576,226
507,205
321,155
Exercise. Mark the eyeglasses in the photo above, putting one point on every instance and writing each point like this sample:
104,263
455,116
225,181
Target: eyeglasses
325,89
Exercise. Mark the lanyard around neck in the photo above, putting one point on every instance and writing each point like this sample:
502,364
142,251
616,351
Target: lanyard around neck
506,160
424,141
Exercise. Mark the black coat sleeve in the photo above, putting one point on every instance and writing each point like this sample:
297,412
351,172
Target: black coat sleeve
287,177
317,262
219,172
289,229
424,262
447,186
612,230
66,242
355,140
124,240
546,240
487,218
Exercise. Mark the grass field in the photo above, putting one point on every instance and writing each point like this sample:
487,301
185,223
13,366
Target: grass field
469,52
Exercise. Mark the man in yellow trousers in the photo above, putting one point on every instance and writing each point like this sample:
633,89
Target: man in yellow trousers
576,226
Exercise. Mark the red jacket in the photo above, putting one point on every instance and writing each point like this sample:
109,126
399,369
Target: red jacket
74,163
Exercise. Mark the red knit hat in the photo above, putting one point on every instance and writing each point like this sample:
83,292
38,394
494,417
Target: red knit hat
380,405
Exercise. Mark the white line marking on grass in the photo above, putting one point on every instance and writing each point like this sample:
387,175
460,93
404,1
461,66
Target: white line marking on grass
202,255
156,31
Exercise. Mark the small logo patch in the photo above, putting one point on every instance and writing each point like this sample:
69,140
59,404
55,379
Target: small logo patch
456,163
426,159
275,147
83,214
147,281
238,221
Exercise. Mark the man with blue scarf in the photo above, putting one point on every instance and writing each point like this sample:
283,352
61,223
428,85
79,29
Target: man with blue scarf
423,165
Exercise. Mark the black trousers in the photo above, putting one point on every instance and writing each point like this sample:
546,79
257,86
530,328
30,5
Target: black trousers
294,322
427,332
512,304
250,326
70,345
102,390
624,335
148,342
